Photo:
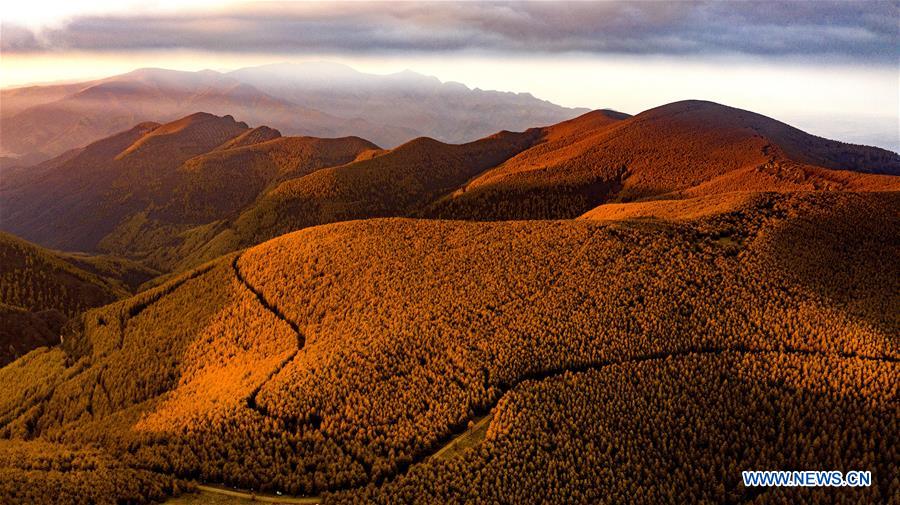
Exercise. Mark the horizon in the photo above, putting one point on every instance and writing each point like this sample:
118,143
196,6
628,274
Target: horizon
829,70
849,128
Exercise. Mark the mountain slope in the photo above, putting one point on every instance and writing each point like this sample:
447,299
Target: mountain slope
342,354
179,194
73,204
688,148
41,289
561,171
22,330
38,280
407,178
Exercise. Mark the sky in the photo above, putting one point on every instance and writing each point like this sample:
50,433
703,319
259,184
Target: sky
829,68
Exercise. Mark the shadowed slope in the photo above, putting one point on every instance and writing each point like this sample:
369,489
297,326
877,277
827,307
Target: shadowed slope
395,183
223,182
138,192
74,204
22,330
37,279
670,430
41,289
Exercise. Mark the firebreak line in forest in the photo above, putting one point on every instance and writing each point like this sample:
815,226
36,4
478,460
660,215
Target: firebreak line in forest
548,374
301,340
504,387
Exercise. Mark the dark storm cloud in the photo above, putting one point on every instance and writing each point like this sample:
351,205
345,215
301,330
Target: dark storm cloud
854,30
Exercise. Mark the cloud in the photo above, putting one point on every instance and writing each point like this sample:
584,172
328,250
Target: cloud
862,31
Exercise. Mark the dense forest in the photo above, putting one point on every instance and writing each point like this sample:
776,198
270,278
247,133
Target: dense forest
338,358
672,430
613,308
41,289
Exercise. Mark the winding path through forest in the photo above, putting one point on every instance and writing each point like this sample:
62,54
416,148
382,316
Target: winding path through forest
266,304
476,431
457,442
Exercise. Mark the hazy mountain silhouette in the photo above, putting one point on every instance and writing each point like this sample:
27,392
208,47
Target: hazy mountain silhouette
323,100
446,111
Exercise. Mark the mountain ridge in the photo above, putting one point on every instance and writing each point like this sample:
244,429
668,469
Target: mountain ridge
187,191
45,121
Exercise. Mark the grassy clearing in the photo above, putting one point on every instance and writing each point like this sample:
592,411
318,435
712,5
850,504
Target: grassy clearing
472,437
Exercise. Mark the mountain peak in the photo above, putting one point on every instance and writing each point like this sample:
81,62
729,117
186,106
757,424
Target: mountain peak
195,133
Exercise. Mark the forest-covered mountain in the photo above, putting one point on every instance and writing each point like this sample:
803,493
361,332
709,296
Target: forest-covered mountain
179,194
586,311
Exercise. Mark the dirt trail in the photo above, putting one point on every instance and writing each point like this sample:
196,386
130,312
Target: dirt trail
217,495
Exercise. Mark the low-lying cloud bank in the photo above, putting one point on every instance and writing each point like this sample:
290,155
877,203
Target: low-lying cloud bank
858,31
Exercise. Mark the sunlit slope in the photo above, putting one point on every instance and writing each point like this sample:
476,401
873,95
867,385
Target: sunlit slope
687,209
340,354
691,148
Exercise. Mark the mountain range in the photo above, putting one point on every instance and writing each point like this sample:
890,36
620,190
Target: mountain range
177,194
586,310
313,99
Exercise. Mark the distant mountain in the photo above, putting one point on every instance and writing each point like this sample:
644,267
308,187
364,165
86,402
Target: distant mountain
40,122
562,171
689,148
446,111
179,194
